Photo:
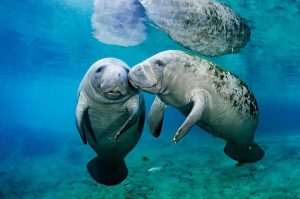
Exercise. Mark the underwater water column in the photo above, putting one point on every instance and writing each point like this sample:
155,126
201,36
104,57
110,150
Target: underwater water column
47,46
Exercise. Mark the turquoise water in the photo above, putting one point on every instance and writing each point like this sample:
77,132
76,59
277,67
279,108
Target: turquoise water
47,46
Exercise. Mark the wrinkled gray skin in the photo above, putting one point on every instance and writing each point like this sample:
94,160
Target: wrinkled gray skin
204,26
210,96
108,107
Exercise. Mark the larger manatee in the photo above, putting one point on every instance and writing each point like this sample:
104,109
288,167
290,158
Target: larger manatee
210,96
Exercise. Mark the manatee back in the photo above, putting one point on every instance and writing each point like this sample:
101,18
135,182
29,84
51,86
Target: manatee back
234,91
232,111
224,86
205,26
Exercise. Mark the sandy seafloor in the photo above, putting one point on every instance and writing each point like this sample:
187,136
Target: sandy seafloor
196,167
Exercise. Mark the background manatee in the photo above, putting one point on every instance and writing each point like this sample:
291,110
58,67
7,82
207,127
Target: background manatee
205,26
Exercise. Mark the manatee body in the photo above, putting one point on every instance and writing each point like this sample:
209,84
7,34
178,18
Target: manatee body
108,107
204,26
211,97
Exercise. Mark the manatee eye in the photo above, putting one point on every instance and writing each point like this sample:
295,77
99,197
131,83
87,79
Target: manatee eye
100,69
160,63
139,69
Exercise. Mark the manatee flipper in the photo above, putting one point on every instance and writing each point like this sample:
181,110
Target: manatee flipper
81,110
156,116
132,107
142,120
199,99
107,173
244,153
82,119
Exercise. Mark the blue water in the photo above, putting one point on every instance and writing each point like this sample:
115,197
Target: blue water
46,48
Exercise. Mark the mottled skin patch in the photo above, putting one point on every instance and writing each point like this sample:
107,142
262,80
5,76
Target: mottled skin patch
205,26
240,97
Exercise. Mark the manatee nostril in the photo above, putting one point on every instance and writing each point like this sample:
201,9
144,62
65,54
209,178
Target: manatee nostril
138,69
140,74
119,74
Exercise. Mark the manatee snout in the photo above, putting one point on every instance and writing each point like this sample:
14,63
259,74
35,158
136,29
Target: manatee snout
110,78
115,85
145,77
136,76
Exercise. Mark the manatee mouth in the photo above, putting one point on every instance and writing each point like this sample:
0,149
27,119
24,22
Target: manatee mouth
138,80
115,94
135,85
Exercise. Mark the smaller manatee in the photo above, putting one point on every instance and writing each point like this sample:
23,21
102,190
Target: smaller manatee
109,106
210,96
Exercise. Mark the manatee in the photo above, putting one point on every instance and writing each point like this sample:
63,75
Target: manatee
211,97
107,107
204,26
119,22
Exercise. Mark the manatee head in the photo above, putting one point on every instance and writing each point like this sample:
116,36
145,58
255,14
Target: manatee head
109,77
148,75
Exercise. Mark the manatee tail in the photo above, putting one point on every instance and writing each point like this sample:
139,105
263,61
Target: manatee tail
244,153
107,173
